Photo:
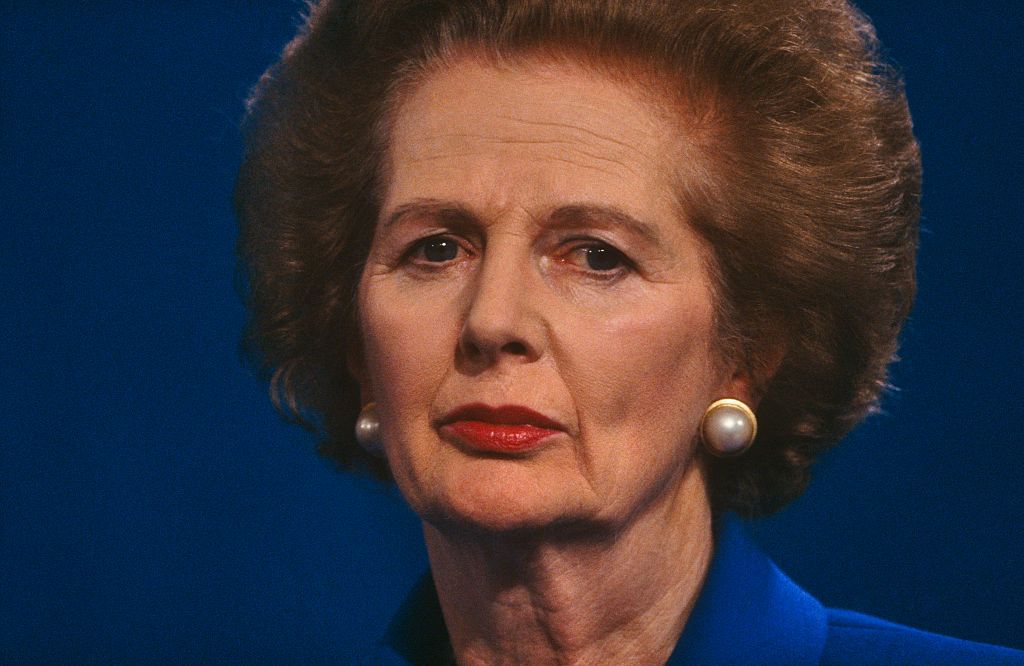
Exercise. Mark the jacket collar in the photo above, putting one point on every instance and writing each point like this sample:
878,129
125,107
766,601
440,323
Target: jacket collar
747,609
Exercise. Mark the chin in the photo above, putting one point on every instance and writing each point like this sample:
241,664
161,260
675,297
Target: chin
498,495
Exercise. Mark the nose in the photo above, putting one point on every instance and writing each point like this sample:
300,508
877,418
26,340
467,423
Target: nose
502,322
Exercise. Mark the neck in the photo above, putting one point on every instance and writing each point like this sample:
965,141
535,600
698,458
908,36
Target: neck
614,593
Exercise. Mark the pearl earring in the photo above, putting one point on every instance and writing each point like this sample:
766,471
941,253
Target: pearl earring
368,429
728,427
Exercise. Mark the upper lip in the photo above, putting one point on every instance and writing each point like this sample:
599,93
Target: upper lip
501,415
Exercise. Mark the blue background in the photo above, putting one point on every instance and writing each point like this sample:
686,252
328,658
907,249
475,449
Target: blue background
153,507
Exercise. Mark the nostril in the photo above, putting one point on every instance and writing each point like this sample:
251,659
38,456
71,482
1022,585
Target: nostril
471,349
517,348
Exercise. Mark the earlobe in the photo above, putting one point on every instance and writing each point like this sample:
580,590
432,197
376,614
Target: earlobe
741,386
729,425
750,377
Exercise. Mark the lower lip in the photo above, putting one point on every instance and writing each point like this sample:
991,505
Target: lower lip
497,437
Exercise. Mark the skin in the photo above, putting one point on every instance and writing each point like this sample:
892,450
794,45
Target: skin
495,277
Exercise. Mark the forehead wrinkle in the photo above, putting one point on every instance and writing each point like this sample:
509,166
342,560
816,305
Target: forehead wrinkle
581,136
575,121
610,172
441,153
573,127
495,137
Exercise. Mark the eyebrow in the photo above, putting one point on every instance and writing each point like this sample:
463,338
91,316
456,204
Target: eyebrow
448,211
573,215
607,217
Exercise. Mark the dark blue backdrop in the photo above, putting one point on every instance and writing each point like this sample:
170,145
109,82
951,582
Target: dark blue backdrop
153,507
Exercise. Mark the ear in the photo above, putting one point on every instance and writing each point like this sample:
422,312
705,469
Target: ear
356,365
749,378
741,387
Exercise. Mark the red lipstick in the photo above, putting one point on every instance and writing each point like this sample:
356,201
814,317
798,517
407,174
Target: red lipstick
505,429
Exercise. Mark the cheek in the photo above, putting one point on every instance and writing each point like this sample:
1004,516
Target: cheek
650,369
404,346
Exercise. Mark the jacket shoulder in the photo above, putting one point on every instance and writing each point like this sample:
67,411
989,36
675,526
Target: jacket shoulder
854,638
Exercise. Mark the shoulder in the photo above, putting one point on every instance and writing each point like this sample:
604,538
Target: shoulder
854,638
782,624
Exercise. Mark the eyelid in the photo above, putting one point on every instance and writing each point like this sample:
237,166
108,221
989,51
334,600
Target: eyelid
577,242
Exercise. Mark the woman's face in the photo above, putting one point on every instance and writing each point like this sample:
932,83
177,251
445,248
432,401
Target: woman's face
536,313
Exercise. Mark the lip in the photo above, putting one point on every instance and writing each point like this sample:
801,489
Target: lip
504,429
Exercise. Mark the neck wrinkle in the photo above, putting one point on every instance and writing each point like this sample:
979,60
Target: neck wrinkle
621,593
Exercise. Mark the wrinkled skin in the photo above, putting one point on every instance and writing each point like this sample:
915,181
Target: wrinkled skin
530,251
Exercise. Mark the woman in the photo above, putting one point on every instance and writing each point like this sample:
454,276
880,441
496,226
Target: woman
586,277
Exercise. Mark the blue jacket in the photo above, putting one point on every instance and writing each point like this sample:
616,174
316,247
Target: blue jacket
748,612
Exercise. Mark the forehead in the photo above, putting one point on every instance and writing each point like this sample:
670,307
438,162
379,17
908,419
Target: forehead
532,133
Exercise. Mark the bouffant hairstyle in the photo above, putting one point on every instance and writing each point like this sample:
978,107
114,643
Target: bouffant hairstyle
809,203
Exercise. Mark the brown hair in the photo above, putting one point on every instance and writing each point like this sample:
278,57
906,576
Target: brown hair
810,205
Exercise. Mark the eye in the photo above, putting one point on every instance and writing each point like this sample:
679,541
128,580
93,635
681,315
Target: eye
603,258
598,258
434,250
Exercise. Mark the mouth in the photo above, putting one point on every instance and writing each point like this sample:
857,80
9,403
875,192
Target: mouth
504,429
